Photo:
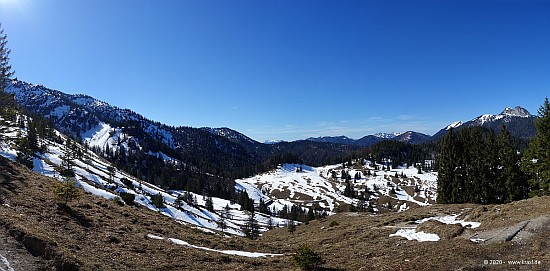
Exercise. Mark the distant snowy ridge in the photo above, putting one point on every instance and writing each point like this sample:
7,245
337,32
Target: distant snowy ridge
273,141
517,111
388,135
454,125
519,122
508,112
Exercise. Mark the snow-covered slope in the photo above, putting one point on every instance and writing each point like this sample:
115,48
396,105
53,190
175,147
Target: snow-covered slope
97,176
324,188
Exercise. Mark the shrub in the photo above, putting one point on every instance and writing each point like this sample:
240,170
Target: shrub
127,183
306,258
291,226
333,223
157,200
65,191
128,198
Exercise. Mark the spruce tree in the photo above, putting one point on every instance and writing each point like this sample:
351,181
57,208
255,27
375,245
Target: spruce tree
447,167
512,184
251,229
7,101
209,204
536,160
5,68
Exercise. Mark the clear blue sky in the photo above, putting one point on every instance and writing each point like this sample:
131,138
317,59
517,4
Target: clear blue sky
289,69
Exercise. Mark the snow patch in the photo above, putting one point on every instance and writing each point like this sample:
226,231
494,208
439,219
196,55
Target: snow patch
228,252
5,264
411,234
451,219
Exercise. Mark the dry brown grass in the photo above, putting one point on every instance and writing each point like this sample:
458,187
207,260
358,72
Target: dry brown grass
98,234
444,231
362,242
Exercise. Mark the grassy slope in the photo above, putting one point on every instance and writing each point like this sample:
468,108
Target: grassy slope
98,234
362,242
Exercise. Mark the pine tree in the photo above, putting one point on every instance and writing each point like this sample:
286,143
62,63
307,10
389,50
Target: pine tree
7,101
447,167
68,157
536,160
209,204
510,176
5,68
251,229
306,258
65,191
178,203
158,200
262,208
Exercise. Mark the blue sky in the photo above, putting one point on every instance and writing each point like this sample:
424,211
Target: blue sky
289,69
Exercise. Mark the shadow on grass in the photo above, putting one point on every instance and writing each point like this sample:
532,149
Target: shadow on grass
77,217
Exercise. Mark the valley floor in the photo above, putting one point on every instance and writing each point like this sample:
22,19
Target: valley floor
99,234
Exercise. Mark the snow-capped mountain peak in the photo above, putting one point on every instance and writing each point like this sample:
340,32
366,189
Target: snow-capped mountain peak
454,125
517,111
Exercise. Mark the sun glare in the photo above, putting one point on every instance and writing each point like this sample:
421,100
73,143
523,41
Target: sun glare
5,3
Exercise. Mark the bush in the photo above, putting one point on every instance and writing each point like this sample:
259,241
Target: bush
157,200
291,226
128,198
333,223
306,258
65,172
65,191
127,183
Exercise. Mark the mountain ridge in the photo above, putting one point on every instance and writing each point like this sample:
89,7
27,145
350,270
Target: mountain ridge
217,151
518,121
77,113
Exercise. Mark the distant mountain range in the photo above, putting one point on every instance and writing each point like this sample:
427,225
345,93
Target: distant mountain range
409,137
518,121
219,149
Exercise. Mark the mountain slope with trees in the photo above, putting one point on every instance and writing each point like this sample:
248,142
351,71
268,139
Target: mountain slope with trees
475,165
200,152
518,121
